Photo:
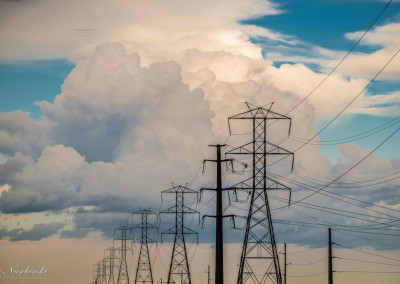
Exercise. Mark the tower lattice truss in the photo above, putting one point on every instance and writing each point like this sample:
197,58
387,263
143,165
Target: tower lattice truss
259,262
179,271
144,273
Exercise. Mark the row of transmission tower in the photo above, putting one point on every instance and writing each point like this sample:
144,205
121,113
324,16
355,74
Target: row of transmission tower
179,272
259,261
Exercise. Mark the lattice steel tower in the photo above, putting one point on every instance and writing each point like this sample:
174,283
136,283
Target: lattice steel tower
97,273
104,270
259,260
111,264
179,271
144,272
123,275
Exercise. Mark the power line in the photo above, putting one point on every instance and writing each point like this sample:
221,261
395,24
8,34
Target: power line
368,239
307,250
351,184
330,195
332,120
354,217
366,261
310,263
296,211
341,61
308,275
351,102
360,271
349,138
370,253
326,209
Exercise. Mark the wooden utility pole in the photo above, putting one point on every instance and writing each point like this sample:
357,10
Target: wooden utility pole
330,271
285,265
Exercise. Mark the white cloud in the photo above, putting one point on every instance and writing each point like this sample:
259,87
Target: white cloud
48,28
189,34
383,36
19,133
5,188
144,135
138,112
367,65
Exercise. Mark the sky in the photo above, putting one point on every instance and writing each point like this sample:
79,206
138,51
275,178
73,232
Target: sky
104,103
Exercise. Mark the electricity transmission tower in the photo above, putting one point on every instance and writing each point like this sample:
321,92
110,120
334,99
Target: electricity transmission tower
179,265
97,273
144,272
111,264
104,270
123,275
259,260
219,238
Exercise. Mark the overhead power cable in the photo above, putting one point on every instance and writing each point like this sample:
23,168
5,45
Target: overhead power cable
351,185
313,180
366,261
307,250
331,121
332,210
342,198
350,169
310,263
352,101
349,227
368,239
370,253
308,275
344,58
352,138
360,271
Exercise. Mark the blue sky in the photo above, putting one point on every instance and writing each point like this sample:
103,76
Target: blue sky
312,22
324,23
25,82
144,87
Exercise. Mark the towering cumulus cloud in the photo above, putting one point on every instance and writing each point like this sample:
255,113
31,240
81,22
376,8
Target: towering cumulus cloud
152,86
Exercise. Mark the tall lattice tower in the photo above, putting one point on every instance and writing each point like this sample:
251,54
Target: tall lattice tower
123,275
104,270
179,271
111,264
144,272
97,273
259,260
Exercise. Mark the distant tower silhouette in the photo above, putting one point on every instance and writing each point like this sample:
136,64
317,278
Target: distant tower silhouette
111,264
97,273
179,266
144,272
123,275
104,270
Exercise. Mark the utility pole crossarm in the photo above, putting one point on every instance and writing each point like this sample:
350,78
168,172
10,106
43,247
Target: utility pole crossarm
184,209
271,185
259,113
219,241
